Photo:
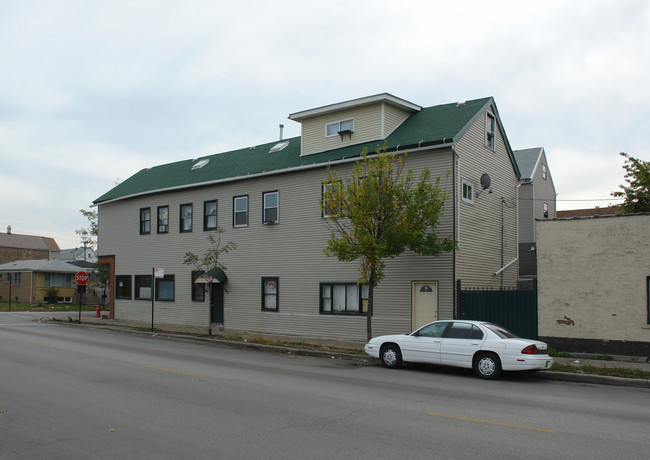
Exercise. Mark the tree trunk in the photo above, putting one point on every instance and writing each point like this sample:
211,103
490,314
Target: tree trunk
370,307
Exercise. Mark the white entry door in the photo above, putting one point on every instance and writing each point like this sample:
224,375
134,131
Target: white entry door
424,303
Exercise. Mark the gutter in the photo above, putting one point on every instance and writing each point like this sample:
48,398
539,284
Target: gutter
412,147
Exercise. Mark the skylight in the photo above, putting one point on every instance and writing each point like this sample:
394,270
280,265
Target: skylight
201,163
279,146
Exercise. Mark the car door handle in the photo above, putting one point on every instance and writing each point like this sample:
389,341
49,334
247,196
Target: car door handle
475,343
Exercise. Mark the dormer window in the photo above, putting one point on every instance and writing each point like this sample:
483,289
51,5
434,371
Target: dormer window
489,130
340,127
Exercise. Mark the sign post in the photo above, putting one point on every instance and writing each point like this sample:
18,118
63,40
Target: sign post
157,273
81,279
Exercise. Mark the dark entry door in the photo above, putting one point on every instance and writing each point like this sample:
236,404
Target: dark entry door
216,304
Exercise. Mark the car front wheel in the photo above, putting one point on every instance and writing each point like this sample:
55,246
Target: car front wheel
487,366
391,356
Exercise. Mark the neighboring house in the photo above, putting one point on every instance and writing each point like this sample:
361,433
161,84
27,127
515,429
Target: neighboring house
537,200
267,200
588,212
26,247
86,254
28,280
594,284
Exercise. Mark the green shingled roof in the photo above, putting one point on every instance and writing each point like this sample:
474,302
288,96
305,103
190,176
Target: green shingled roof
441,124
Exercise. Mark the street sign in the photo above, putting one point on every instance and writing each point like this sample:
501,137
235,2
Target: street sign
81,278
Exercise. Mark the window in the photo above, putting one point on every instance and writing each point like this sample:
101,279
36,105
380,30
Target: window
198,289
343,298
57,279
17,278
240,211
165,288
333,129
463,331
489,130
123,287
186,218
432,330
468,192
543,171
270,294
546,210
143,287
163,219
270,207
210,215
326,210
145,221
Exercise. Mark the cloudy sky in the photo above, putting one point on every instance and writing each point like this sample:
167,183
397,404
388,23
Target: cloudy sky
91,91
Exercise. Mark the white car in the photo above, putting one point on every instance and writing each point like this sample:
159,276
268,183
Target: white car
484,347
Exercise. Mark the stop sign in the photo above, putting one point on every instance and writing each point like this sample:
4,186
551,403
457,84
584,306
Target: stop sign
81,278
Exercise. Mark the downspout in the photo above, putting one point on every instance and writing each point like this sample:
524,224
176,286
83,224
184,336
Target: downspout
455,165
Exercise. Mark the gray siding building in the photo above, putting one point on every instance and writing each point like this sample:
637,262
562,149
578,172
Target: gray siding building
267,200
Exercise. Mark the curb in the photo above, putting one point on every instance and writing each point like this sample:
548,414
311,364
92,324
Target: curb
359,358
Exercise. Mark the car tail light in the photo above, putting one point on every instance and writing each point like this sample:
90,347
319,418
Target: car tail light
530,350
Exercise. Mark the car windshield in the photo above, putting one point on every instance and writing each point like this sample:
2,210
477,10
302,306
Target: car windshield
502,332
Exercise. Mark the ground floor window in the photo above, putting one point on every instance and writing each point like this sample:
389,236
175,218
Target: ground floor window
143,287
198,289
165,288
270,294
123,287
343,298
58,279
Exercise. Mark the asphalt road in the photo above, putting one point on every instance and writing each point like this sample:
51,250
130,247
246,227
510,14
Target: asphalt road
83,393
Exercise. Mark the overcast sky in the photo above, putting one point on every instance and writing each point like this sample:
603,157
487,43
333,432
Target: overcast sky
92,91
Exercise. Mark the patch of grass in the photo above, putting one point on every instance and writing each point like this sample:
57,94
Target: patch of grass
607,371
558,354
4,306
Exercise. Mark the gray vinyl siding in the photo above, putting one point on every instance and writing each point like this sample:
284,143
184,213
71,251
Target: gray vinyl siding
291,250
544,191
526,213
480,236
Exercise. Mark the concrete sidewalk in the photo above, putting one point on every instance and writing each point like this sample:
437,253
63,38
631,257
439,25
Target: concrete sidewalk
348,349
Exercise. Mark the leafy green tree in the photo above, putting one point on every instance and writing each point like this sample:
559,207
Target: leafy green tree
379,212
636,193
209,263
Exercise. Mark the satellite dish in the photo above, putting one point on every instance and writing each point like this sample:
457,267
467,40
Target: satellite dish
485,181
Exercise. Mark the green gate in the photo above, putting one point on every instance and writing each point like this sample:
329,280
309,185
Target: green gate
513,309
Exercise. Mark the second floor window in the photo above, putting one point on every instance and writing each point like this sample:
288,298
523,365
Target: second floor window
468,192
210,215
186,218
163,219
240,211
270,207
145,221
546,210
333,129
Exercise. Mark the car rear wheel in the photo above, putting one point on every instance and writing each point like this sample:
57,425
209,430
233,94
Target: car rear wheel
391,356
487,366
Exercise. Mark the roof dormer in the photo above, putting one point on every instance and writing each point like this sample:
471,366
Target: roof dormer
352,122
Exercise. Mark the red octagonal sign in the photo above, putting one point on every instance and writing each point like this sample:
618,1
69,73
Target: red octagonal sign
81,278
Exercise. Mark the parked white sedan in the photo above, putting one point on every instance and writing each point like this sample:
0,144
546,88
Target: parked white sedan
484,347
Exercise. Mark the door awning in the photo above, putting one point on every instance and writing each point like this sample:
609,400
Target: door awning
216,275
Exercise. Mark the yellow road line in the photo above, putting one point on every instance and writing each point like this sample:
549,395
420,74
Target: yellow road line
174,371
492,423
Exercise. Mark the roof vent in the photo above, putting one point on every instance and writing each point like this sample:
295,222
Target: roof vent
201,163
461,103
279,146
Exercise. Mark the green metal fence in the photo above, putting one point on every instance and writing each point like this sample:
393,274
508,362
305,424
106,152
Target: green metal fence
513,309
